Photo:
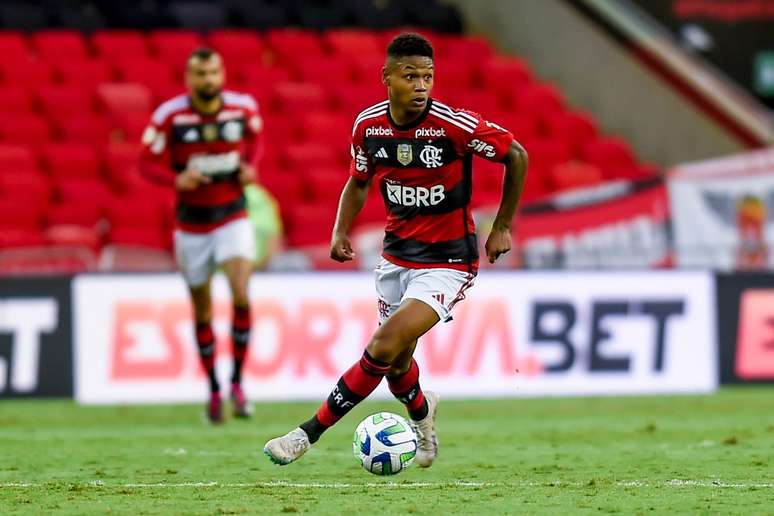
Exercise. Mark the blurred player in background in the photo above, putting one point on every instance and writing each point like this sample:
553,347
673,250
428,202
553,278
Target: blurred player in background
420,153
206,144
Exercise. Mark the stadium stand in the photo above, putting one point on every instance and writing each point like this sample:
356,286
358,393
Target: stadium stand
80,103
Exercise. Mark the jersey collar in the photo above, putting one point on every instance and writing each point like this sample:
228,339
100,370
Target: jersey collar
413,123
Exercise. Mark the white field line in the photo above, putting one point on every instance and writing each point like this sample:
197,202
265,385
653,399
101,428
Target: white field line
675,483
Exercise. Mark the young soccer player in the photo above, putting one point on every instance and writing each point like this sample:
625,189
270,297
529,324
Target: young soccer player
419,152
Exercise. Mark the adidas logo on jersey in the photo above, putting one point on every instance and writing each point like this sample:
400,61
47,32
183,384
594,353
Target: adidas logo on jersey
429,132
379,131
381,153
415,195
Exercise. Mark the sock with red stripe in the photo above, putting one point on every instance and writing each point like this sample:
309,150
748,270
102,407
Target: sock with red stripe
240,338
354,386
407,390
205,339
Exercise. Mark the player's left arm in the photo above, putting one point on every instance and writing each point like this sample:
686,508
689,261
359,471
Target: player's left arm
499,240
253,145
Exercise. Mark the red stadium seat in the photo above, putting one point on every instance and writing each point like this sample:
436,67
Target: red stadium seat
17,99
26,129
285,186
174,46
118,44
463,75
324,184
69,160
26,72
573,174
58,101
613,156
285,45
14,43
505,72
125,98
535,188
368,69
19,213
74,213
309,224
295,97
463,48
12,237
304,156
60,45
17,160
328,127
546,153
260,78
84,190
121,161
87,74
319,71
152,237
353,42
540,98
32,185
351,100
143,70
523,126
73,235
575,128
135,211
237,45
85,127
128,127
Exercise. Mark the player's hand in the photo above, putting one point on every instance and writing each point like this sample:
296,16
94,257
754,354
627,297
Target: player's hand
498,243
341,248
247,174
191,179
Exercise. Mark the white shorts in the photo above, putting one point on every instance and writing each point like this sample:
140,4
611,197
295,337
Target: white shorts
439,288
199,254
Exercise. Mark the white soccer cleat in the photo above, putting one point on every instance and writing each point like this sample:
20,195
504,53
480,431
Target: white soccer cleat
427,441
288,448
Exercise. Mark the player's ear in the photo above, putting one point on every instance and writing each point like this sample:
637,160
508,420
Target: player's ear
385,76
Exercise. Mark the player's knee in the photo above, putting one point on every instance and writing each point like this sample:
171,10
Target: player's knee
386,345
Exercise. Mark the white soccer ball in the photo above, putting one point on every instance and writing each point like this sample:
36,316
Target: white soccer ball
384,443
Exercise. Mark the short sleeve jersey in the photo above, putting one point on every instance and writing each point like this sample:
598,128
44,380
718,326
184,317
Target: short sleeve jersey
424,172
179,137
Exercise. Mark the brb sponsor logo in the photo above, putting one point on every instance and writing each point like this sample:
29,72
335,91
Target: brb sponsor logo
415,195
755,342
378,131
214,164
26,321
430,132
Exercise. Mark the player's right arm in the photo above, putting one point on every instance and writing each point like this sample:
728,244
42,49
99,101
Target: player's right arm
353,198
156,158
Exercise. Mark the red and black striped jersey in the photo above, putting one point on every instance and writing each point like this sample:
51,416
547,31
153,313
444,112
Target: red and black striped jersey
424,172
179,138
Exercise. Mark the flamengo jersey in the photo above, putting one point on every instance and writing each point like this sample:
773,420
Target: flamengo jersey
424,171
179,137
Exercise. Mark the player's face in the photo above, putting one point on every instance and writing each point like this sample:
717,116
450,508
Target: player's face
409,81
205,77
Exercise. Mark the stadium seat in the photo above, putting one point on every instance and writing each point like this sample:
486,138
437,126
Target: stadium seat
129,126
464,48
612,155
70,160
60,45
125,98
297,97
119,44
368,69
174,46
329,127
74,214
575,128
547,153
142,70
286,45
60,234
83,190
17,99
322,71
19,213
540,98
309,224
121,159
573,174
237,45
86,127
258,79
56,100
352,42
13,237
354,98
287,187
14,43
86,74
31,184
25,129
26,72
17,160
152,237
303,156
135,210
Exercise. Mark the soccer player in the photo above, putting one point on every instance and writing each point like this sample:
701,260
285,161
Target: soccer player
206,144
419,151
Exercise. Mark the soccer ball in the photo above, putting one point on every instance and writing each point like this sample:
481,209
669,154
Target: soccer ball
384,443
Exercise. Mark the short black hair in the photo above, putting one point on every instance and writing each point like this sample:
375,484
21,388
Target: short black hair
202,53
409,44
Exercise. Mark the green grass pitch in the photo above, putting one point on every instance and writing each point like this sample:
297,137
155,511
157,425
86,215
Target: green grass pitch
635,455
